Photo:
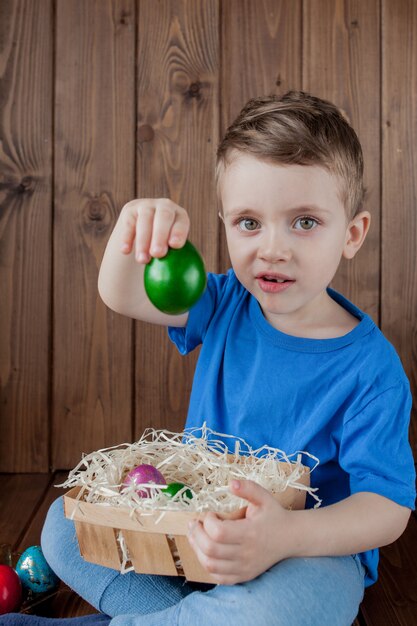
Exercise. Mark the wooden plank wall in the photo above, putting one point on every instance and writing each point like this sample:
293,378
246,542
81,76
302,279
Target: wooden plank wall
104,100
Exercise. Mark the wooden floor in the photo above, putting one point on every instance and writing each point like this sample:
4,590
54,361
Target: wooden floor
25,498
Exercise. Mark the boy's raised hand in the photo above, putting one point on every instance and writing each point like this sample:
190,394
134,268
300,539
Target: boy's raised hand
145,229
152,225
235,551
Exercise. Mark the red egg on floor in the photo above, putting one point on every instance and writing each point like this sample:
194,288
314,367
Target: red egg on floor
10,590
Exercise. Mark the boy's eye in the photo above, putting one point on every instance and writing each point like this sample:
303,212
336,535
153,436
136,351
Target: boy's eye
248,224
306,223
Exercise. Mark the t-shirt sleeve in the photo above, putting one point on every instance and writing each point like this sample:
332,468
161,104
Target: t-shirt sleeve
375,449
192,335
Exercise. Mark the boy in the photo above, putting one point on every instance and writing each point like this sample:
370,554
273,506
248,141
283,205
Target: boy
285,362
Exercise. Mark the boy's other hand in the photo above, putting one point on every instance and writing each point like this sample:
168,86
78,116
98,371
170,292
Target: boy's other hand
152,225
234,551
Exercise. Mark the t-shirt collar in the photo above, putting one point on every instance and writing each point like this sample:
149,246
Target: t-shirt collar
302,344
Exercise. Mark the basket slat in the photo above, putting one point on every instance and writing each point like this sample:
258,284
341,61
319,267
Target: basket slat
98,544
193,570
150,553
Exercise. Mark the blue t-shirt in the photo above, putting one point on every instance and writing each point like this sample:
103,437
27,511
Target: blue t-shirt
345,400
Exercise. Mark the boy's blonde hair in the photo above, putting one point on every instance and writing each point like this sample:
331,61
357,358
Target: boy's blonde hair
298,128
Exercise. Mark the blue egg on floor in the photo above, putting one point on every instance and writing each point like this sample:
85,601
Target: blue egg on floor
34,571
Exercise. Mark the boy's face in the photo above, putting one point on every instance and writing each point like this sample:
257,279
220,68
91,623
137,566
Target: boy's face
286,230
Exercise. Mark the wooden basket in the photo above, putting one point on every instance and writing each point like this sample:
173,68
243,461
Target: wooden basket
154,548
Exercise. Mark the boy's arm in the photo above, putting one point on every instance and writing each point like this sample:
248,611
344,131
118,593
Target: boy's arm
235,551
361,522
145,229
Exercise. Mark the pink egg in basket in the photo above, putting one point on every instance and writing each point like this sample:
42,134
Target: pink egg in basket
144,473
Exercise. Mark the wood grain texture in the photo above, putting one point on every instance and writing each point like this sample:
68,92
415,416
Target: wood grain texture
94,177
261,49
341,62
260,55
20,497
399,190
32,534
25,228
177,134
65,603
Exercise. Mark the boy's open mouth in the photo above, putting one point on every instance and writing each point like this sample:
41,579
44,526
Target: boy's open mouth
273,283
274,280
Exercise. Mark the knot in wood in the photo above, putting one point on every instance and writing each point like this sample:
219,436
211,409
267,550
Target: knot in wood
145,133
96,210
125,18
97,214
194,90
26,185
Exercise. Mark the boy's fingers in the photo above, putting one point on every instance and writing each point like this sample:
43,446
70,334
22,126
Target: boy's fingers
179,230
222,531
145,212
153,224
214,549
251,491
212,564
128,232
165,215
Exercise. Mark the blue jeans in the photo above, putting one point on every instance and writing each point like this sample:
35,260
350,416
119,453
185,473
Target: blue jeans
320,591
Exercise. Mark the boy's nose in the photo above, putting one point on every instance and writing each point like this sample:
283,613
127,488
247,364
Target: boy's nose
273,251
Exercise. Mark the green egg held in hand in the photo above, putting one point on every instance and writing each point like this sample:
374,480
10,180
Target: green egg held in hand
174,283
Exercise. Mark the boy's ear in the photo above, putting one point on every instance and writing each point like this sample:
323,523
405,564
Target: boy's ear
221,216
355,234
